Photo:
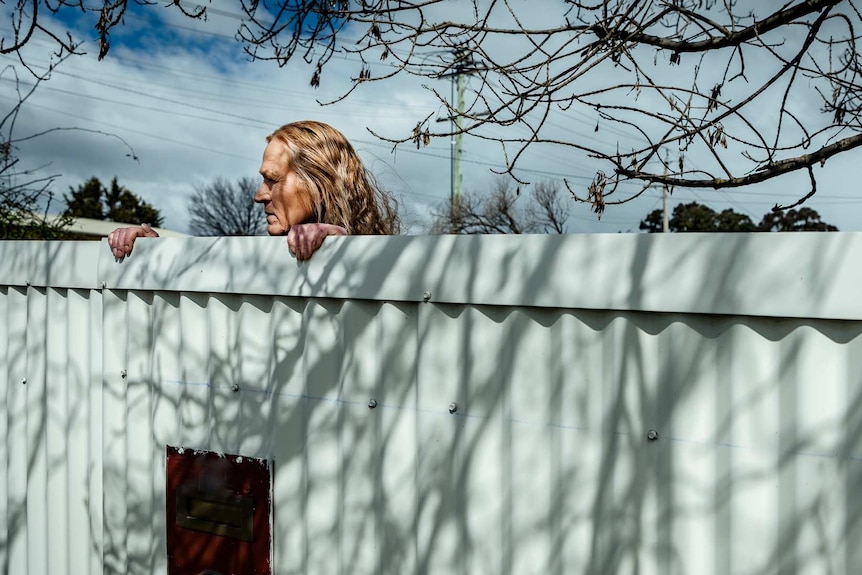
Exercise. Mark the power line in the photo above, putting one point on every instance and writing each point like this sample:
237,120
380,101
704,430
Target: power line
136,106
114,126
209,94
726,193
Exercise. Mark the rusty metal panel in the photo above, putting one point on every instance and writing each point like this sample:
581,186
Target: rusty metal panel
218,513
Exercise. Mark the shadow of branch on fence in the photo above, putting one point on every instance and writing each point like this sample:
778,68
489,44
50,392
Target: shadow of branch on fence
502,438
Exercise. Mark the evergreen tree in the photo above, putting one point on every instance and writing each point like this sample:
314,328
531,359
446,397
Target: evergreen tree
116,204
695,217
86,201
801,220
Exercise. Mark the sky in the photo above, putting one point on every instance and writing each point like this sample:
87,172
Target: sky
183,98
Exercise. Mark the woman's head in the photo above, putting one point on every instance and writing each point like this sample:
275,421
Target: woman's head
312,174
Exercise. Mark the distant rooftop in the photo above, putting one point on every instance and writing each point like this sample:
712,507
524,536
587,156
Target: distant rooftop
101,228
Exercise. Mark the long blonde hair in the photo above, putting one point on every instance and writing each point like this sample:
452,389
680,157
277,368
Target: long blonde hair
340,189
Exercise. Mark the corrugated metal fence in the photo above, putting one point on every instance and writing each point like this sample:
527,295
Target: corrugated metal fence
517,381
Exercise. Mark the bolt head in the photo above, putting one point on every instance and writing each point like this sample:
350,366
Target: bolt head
123,374
104,284
652,434
426,296
234,388
372,403
24,381
453,407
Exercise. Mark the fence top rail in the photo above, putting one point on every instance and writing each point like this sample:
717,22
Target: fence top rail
794,275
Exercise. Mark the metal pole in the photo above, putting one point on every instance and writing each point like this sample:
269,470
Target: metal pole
452,125
456,157
462,65
665,225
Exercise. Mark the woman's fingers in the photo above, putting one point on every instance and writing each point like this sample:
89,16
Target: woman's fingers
122,240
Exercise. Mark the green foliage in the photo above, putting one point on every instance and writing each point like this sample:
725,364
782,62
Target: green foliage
730,221
22,219
24,203
86,201
25,195
801,220
116,204
695,217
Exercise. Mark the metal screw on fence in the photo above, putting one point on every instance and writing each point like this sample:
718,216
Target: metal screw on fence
123,374
24,381
652,435
426,296
234,388
104,284
28,283
453,407
372,403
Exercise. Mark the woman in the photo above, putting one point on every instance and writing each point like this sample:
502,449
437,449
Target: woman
314,185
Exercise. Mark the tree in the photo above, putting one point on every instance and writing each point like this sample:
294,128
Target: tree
695,217
223,208
502,211
688,76
26,198
801,220
86,201
116,204
25,195
125,206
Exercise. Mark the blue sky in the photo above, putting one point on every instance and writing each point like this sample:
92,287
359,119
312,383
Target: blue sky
192,105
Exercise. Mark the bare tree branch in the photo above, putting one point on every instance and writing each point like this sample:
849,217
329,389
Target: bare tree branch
656,75
772,170
503,211
726,39
26,197
224,208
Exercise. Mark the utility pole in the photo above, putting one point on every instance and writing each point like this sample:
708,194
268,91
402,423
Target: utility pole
463,65
665,192
665,223
457,148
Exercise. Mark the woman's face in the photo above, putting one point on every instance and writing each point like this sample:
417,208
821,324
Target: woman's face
284,202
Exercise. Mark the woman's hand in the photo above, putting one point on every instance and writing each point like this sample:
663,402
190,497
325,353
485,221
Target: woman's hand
122,240
305,239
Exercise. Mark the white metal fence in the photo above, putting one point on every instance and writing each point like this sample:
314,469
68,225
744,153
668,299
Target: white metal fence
742,353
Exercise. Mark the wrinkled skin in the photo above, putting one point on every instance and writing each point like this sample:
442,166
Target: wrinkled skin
288,211
305,239
287,208
122,240
302,239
